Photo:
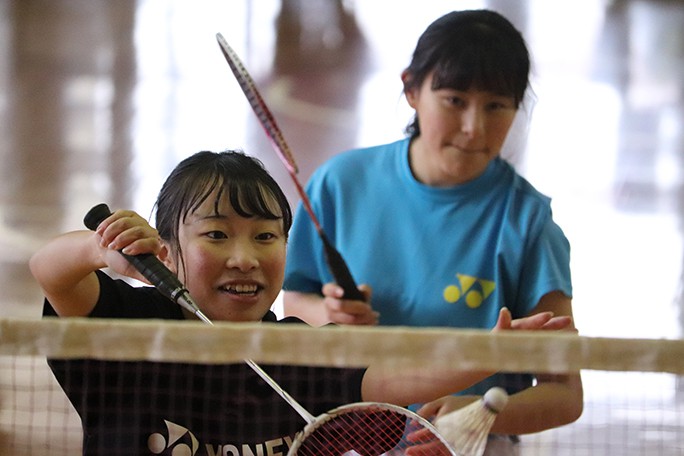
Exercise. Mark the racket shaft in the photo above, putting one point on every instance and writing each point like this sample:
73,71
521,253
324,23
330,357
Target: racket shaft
281,392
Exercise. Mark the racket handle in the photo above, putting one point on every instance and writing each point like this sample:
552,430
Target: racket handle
340,271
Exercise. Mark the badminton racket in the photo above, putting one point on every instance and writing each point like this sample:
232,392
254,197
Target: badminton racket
368,428
338,267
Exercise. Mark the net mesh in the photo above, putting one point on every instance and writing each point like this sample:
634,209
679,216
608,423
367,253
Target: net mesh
634,393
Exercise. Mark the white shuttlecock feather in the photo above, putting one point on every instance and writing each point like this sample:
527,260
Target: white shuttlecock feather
467,429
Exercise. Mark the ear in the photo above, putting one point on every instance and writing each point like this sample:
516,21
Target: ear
411,93
165,257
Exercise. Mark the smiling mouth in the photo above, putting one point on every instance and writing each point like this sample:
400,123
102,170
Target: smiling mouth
241,289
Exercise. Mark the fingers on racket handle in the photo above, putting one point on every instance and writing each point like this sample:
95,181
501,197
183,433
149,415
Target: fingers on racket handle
340,271
147,264
153,271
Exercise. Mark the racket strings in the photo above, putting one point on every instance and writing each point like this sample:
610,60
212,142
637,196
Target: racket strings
360,433
258,104
369,432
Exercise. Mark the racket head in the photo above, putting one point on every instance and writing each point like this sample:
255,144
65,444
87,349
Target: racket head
369,428
258,105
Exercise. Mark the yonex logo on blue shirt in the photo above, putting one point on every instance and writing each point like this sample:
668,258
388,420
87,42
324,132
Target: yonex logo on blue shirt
471,289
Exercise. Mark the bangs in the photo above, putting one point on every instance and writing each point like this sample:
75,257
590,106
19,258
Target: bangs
490,68
247,197
251,199
473,72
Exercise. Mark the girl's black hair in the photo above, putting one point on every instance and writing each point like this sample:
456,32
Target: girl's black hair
243,179
472,49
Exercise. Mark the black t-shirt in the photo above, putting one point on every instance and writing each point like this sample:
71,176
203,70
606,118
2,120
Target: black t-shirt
146,408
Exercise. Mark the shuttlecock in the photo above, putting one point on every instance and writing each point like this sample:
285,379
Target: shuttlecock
466,429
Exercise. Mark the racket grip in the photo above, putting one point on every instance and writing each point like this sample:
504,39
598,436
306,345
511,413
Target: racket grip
146,263
340,271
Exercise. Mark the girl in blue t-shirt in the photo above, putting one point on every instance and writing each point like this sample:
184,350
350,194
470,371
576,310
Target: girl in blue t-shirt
437,226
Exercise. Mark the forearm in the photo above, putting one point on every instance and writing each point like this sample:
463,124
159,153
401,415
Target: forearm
555,400
545,406
64,268
307,306
410,385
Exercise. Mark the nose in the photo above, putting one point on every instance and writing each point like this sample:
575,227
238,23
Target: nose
242,257
473,122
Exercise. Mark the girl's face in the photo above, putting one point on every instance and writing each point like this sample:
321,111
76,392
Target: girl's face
233,266
460,132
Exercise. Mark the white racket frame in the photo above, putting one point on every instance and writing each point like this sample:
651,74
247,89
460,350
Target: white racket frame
320,420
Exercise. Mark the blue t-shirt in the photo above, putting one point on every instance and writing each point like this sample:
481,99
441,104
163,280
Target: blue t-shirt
445,257
434,256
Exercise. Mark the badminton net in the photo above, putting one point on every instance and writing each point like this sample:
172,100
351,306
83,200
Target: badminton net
634,393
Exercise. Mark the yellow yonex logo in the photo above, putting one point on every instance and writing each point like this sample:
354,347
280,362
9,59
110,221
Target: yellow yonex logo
471,289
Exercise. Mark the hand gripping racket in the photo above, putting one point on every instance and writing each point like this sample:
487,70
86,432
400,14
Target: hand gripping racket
150,267
338,267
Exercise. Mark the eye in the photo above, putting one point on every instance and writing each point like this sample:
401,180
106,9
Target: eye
215,234
454,100
266,236
502,103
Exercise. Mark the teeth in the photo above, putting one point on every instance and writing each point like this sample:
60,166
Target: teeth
241,288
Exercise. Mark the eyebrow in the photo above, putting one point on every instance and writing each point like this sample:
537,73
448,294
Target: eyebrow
199,217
